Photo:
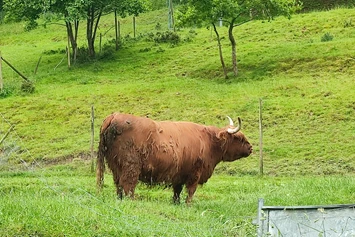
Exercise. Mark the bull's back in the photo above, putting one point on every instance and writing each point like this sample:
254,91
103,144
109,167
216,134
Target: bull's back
178,146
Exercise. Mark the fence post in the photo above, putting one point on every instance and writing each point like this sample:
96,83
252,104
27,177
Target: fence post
37,65
134,27
1,81
116,30
261,160
92,138
8,132
13,68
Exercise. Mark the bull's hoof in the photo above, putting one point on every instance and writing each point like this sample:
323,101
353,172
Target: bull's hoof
176,201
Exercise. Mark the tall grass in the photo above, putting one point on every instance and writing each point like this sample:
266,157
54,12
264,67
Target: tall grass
62,201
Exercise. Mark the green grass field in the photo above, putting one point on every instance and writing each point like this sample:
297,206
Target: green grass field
307,89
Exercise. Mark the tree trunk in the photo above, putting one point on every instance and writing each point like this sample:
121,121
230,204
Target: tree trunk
73,36
89,30
92,25
234,46
76,28
220,51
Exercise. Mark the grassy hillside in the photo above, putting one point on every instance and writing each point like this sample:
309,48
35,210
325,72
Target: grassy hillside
306,84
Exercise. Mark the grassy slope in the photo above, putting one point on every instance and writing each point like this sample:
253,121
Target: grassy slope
307,88
306,85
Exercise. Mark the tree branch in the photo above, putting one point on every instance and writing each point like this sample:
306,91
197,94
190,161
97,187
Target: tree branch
241,23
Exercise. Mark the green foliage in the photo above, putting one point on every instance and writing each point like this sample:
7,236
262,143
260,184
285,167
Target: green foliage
6,91
348,23
206,12
311,5
327,37
17,10
167,37
27,87
30,25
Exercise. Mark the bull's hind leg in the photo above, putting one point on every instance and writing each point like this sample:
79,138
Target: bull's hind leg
116,180
192,182
128,183
177,190
129,178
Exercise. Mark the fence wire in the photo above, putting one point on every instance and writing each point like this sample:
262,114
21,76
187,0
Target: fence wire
11,145
12,149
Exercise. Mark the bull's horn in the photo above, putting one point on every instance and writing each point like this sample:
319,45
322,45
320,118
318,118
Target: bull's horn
234,130
230,121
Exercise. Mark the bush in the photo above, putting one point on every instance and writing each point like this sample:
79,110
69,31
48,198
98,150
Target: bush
326,37
167,37
27,87
311,5
348,23
6,91
30,25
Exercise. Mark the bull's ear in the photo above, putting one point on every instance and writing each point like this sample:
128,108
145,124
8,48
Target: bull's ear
222,135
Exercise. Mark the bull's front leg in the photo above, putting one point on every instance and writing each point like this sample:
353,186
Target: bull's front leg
192,182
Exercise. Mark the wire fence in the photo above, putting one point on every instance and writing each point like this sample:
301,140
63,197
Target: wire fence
11,146
13,150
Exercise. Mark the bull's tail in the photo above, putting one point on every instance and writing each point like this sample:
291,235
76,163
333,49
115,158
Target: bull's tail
100,164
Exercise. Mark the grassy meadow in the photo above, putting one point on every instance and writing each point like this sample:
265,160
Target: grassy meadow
302,69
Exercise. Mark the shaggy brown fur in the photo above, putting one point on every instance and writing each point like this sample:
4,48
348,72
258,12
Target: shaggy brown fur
177,153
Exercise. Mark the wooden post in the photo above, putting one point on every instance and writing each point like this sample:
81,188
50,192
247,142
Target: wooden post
68,51
100,43
13,68
261,161
1,81
92,138
8,132
116,29
119,29
134,27
37,65
171,23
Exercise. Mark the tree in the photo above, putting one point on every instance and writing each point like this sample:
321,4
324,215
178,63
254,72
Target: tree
234,13
96,8
72,11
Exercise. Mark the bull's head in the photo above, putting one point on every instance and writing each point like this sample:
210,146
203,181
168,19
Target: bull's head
237,145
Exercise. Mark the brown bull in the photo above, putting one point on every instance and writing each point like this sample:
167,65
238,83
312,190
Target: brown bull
177,153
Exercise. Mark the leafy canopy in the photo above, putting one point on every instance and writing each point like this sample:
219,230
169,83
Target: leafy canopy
205,12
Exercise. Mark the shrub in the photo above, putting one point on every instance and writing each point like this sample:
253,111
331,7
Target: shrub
311,5
6,91
27,87
348,23
167,37
30,25
326,37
